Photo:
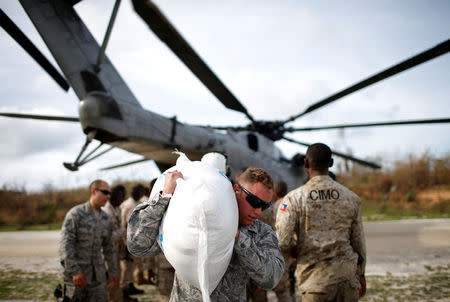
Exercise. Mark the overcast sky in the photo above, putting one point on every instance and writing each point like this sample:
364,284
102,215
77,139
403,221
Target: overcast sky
277,57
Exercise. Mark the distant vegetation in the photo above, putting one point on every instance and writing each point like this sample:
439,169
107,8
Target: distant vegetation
415,187
43,210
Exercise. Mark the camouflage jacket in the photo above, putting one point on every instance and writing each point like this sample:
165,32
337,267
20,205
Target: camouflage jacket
256,255
326,217
84,235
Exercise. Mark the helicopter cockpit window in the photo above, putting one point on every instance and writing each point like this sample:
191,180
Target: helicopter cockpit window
252,142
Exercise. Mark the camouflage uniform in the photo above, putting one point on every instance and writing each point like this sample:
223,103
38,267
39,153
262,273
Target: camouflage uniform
282,290
146,265
84,235
326,217
119,236
256,255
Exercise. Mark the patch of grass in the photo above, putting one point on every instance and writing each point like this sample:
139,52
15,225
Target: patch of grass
41,227
373,211
434,285
20,285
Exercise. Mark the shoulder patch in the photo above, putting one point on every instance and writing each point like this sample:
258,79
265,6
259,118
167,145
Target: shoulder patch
283,207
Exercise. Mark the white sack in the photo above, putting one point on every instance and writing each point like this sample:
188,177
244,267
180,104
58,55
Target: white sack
199,227
216,160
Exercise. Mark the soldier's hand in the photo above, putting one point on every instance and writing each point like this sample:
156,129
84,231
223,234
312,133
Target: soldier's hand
171,181
362,290
112,282
79,280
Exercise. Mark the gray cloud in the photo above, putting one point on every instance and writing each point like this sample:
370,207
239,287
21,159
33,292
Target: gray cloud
276,58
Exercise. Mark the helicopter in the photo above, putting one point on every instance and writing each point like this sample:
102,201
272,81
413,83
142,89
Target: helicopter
110,114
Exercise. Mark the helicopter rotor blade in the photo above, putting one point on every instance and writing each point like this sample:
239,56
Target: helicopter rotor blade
420,58
15,33
407,122
345,156
125,164
167,33
41,117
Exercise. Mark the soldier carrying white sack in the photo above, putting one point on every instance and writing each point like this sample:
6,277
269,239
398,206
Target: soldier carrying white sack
256,254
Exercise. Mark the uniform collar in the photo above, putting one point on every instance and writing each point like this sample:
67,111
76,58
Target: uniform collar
321,178
253,227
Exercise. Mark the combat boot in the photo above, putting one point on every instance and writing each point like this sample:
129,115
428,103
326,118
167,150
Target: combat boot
132,290
127,298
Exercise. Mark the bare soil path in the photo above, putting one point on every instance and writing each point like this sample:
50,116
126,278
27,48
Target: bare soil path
397,247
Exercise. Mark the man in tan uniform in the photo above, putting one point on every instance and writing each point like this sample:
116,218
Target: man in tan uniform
326,217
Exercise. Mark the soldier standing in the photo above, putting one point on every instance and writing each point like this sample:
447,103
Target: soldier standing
256,254
86,244
326,217
112,208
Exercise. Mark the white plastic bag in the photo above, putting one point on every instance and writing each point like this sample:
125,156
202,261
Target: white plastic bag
198,230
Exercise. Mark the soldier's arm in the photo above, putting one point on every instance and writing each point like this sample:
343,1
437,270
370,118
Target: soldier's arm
286,223
143,227
261,259
108,251
67,245
357,239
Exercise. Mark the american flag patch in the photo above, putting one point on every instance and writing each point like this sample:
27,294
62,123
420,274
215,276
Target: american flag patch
283,207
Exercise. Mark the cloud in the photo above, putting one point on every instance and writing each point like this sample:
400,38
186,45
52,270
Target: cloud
277,59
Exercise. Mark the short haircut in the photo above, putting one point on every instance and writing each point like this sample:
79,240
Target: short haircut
96,183
137,191
280,188
254,175
319,156
240,171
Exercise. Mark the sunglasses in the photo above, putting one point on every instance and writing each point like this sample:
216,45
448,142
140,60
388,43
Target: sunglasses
106,192
255,201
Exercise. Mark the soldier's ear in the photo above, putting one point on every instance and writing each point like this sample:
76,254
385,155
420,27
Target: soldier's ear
306,163
331,163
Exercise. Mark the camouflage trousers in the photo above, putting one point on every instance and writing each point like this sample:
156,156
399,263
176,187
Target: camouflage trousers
88,294
340,292
116,294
